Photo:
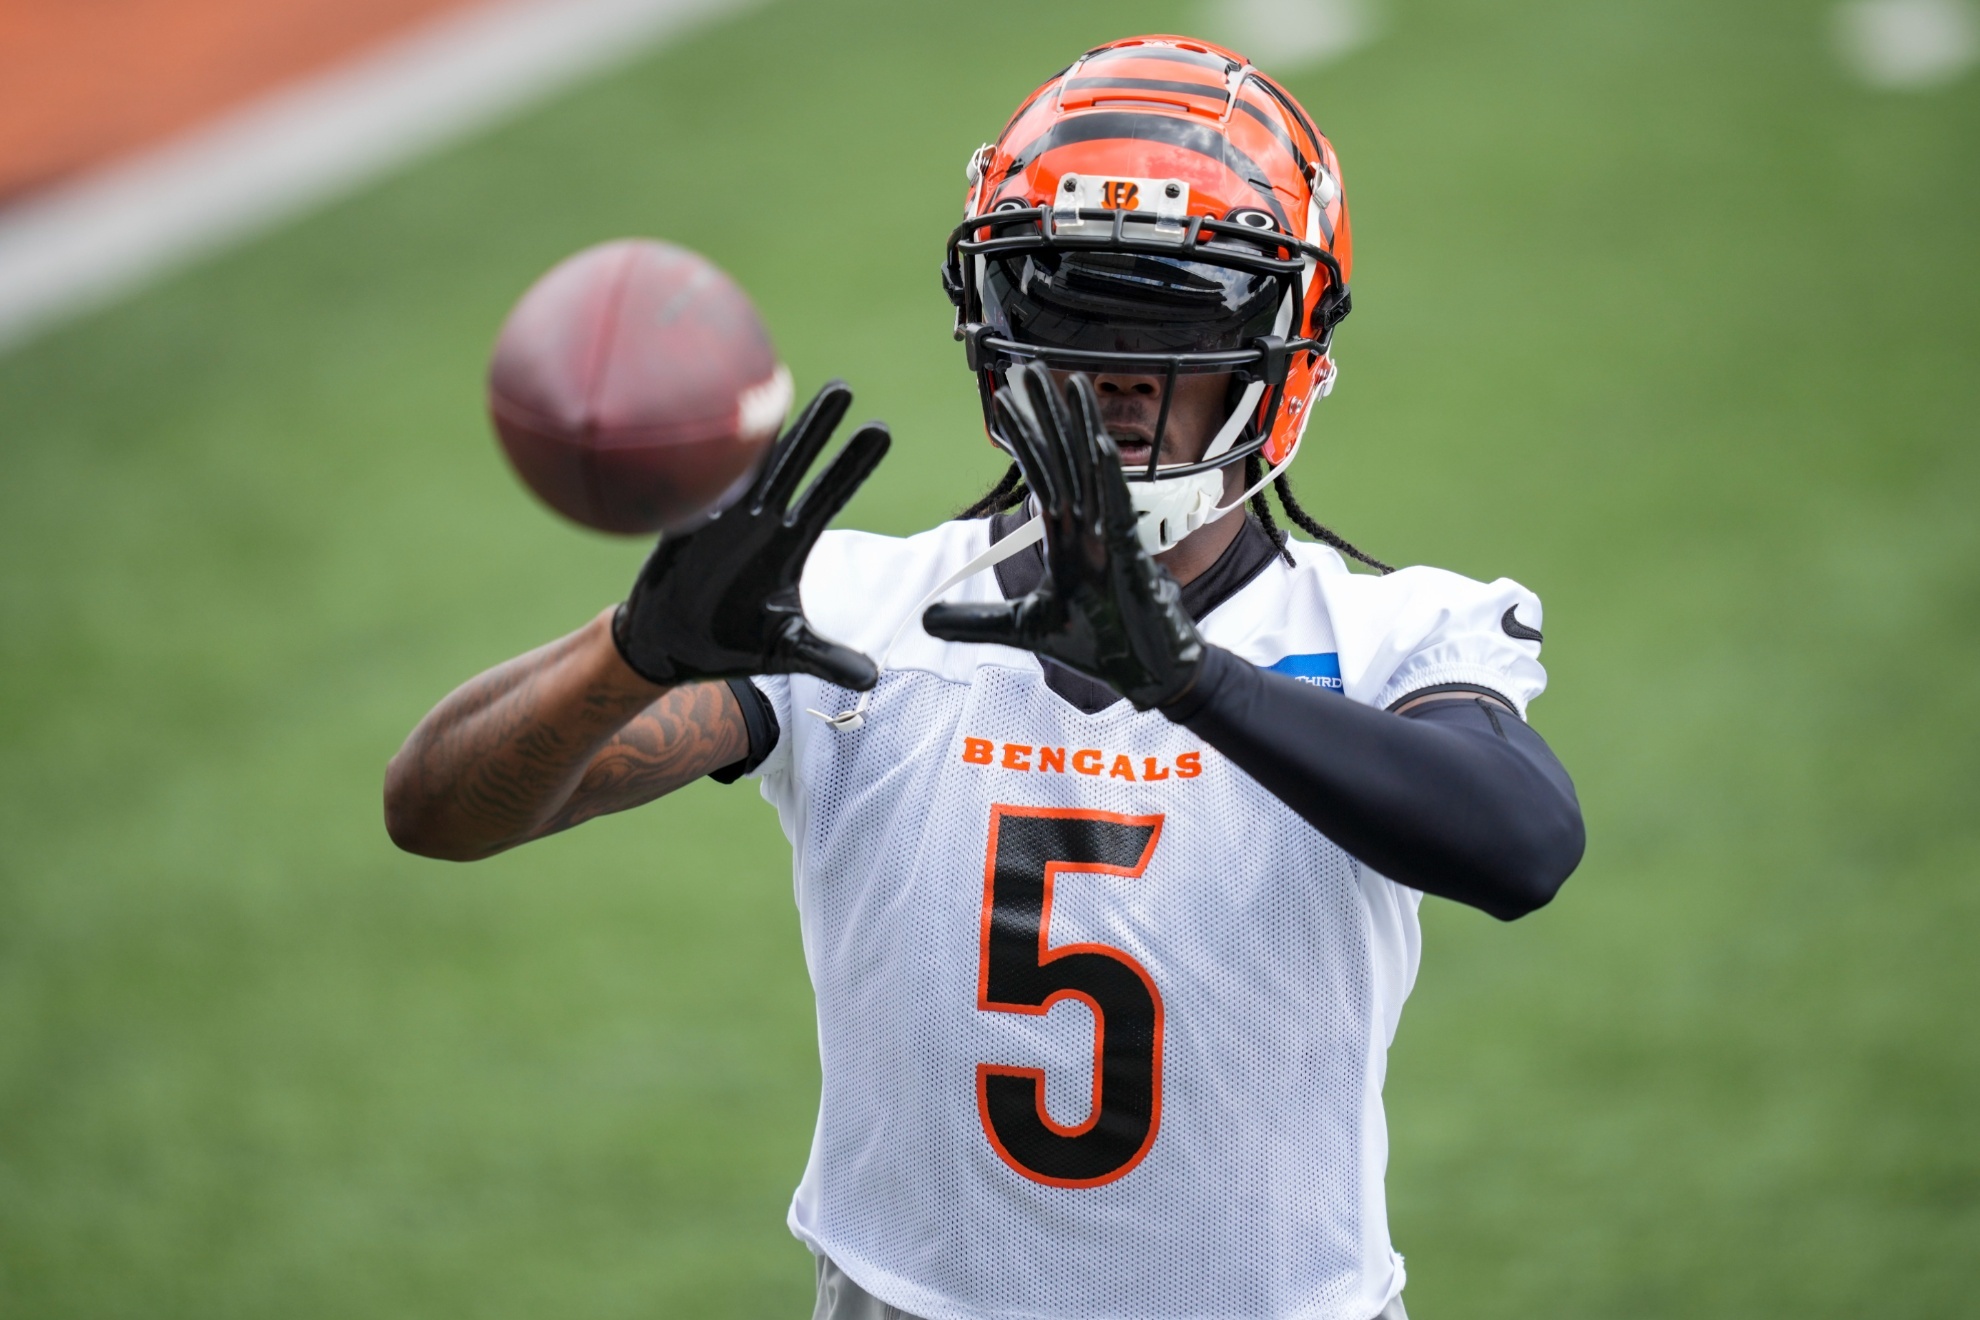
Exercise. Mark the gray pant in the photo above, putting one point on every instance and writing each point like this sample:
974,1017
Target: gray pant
839,1298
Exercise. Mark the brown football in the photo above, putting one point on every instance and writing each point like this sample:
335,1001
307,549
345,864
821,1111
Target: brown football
634,387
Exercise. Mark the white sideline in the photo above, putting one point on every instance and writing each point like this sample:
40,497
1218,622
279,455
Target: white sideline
1282,36
1907,45
83,244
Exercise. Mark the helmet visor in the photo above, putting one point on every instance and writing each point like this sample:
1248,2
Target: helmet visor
1123,302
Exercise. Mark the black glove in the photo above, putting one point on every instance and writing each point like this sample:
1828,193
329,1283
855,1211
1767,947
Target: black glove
721,601
1105,608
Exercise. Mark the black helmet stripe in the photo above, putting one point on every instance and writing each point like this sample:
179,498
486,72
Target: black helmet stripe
1293,108
1284,139
1205,141
1277,130
1032,100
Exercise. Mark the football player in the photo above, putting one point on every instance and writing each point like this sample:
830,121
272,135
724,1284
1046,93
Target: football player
1112,805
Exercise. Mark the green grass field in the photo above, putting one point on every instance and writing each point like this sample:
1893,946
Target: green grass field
1654,312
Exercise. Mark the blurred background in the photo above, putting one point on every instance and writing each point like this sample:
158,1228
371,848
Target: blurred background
1666,309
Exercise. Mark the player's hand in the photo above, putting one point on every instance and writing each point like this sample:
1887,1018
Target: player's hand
1105,608
721,601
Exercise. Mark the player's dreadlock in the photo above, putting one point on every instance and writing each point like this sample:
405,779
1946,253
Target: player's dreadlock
1263,511
1307,523
1010,491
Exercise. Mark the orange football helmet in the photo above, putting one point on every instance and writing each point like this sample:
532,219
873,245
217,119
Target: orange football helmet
1160,207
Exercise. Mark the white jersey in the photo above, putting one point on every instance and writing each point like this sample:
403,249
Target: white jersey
1103,1024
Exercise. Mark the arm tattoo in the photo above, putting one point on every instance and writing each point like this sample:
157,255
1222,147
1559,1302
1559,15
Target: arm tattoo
674,741
503,750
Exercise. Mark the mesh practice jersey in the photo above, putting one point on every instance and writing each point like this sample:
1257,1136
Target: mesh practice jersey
1103,1024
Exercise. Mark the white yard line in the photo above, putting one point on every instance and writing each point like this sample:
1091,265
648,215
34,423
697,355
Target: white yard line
88,242
1907,45
1283,36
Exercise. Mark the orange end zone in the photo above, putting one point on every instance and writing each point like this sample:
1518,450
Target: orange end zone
81,83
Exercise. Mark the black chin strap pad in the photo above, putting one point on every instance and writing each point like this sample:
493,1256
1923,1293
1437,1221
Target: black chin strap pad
1458,798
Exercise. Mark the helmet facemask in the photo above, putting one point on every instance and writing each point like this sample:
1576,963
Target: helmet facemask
1111,291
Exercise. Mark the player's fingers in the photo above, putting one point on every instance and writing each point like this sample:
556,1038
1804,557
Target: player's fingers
977,621
1034,390
1114,506
791,457
1019,419
1082,409
1056,423
843,476
1083,402
805,652
1019,422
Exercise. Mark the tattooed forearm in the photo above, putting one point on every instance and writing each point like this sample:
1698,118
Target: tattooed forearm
673,742
547,740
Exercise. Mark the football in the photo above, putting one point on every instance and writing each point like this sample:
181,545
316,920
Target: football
634,387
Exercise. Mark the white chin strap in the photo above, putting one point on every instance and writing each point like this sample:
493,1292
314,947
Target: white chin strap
1171,508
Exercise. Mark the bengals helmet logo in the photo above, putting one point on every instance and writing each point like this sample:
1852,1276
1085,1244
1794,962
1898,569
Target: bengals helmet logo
1120,195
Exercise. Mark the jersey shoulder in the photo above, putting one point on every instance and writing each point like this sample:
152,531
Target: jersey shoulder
1416,628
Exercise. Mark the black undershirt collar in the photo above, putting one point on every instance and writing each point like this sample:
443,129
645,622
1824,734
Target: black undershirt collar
1243,559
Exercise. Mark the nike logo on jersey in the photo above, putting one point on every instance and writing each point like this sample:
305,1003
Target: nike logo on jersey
1080,761
1322,670
1515,629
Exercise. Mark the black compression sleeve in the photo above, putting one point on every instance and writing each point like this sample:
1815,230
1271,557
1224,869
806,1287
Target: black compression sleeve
760,722
1458,798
